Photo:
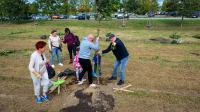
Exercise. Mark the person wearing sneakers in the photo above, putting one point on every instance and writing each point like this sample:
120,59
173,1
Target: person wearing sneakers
55,47
77,65
84,57
70,39
121,54
38,71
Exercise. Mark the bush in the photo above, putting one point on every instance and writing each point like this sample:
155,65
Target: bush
175,38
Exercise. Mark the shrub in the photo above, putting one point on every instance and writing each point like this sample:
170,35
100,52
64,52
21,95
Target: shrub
175,38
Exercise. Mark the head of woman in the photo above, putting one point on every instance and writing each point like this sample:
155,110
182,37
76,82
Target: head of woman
67,30
54,33
40,46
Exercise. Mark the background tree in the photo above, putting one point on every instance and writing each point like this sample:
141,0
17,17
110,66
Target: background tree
33,8
51,7
185,8
84,6
105,8
13,9
73,6
142,7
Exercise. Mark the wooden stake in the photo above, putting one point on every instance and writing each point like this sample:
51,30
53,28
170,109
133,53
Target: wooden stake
123,89
59,86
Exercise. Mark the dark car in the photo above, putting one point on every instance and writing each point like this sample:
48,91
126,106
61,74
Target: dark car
173,13
83,16
121,16
151,14
195,14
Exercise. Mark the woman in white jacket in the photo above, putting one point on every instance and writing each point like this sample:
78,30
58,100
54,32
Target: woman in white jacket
54,46
38,71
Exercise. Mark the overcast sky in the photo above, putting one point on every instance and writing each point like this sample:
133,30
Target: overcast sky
159,1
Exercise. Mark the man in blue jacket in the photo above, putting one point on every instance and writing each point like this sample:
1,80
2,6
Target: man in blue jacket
121,54
84,57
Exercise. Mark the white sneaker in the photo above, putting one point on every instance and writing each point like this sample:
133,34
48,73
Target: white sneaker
80,82
60,64
53,66
92,85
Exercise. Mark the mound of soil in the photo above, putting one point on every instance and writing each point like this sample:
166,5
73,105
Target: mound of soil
91,101
161,40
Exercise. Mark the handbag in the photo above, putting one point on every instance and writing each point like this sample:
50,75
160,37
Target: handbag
51,72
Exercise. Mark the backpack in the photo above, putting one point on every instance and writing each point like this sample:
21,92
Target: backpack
51,71
77,41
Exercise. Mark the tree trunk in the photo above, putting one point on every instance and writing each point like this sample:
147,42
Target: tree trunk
182,22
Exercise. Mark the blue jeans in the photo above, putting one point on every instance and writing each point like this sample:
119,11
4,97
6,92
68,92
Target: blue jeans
123,62
55,51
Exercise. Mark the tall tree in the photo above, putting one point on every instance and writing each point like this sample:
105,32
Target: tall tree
33,8
183,7
73,6
106,7
84,6
53,6
13,9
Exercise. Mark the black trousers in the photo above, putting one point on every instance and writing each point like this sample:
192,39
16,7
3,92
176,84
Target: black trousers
87,67
71,49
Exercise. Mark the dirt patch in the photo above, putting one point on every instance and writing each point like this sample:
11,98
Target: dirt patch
91,102
161,40
196,54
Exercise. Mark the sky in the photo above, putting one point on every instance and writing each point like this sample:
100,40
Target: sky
159,1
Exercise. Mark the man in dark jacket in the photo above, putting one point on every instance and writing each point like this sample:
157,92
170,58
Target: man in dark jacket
121,54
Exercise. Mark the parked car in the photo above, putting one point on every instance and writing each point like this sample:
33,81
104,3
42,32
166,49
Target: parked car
73,17
121,16
40,17
195,14
55,17
151,14
63,16
83,16
173,13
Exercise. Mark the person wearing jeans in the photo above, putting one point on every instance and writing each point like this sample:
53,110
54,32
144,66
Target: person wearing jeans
55,47
122,63
84,57
55,52
121,54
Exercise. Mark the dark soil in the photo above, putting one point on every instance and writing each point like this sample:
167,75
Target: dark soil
101,103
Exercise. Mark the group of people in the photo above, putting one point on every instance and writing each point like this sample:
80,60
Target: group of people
55,45
79,56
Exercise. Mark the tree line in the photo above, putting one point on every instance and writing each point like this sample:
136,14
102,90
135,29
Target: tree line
21,9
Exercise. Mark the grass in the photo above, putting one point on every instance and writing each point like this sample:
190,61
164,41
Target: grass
152,65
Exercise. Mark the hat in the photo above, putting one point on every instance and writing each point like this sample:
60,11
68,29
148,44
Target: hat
111,36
